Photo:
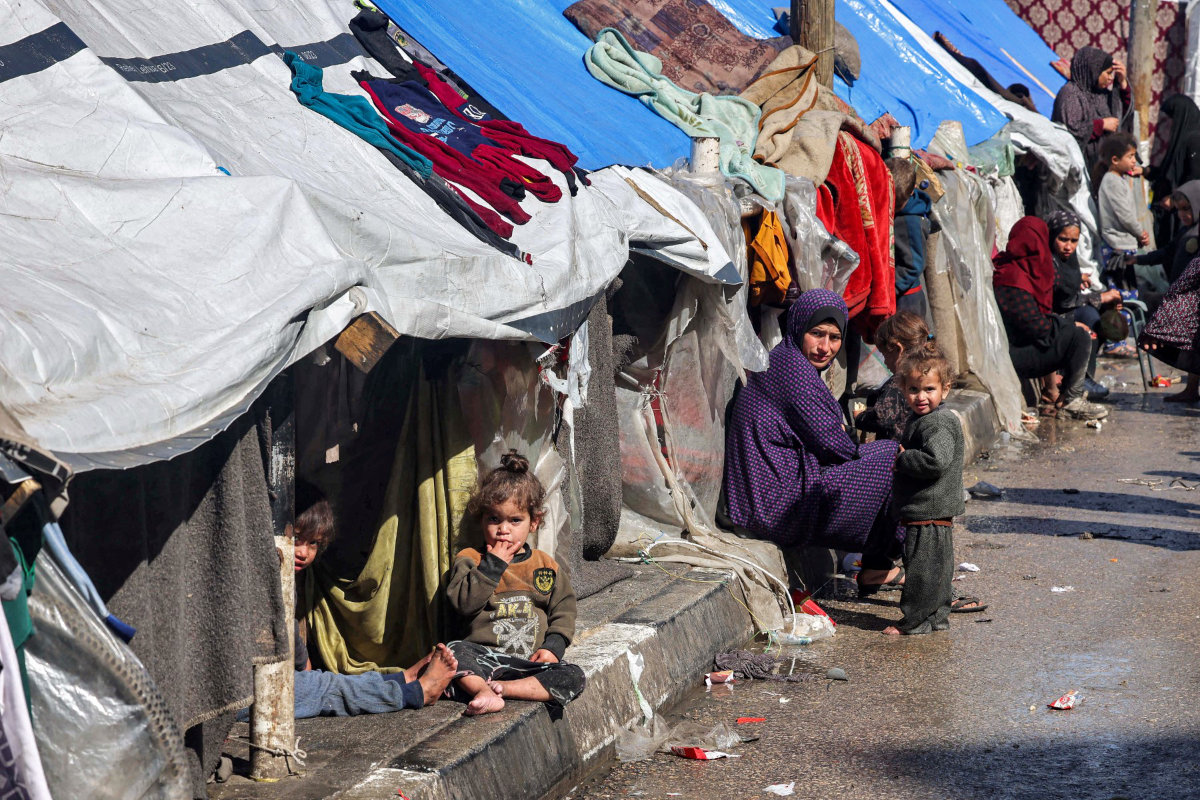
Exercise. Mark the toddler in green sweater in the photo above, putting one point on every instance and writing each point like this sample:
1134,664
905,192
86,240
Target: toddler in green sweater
927,491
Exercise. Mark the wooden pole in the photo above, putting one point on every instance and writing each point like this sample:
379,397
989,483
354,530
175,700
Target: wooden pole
811,23
272,718
1140,66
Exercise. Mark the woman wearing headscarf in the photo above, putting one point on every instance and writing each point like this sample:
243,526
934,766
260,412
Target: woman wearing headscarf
1093,102
1173,334
1040,342
1076,298
792,473
1179,121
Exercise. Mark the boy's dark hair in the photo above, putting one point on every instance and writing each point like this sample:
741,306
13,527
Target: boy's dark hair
926,359
1114,145
512,480
903,328
314,516
904,178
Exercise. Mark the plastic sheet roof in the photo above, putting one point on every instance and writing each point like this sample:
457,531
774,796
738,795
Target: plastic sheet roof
897,76
990,32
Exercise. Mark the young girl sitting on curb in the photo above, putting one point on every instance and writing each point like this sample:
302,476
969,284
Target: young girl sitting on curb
517,601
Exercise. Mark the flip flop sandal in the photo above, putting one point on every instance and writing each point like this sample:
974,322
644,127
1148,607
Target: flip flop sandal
962,605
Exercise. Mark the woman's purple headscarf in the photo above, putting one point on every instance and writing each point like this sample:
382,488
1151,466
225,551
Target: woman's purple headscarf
792,473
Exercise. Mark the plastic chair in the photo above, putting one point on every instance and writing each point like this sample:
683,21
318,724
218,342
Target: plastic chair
1137,322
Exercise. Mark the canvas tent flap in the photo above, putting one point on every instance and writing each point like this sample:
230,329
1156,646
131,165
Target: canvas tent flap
526,57
180,228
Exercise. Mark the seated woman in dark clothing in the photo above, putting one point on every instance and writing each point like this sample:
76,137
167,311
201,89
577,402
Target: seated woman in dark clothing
792,473
1039,341
1073,293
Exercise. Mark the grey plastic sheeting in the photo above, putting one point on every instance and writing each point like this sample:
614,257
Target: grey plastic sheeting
966,213
102,728
178,229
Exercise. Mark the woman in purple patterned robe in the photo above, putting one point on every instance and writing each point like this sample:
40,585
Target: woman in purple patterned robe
792,473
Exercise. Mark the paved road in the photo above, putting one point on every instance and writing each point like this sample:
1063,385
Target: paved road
963,714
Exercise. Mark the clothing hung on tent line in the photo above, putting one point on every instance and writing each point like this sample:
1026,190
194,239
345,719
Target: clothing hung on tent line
800,117
770,273
479,154
399,53
856,204
732,120
357,115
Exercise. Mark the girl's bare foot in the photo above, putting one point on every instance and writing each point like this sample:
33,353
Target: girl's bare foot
892,630
486,702
440,667
414,672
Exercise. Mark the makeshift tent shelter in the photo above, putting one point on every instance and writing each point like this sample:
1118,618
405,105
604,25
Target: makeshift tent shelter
181,230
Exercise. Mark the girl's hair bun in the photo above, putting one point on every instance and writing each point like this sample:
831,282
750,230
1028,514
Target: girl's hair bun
514,462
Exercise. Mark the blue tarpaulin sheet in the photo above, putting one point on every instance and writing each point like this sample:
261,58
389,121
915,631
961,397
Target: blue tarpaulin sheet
897,75
526,58
991,33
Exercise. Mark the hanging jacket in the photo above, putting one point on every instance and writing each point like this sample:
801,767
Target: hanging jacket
767,258
912,229
459,150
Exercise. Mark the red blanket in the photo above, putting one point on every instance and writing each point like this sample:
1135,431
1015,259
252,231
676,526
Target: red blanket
857,204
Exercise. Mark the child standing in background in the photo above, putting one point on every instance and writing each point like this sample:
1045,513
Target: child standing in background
1120,228
517,601
928,493
887,412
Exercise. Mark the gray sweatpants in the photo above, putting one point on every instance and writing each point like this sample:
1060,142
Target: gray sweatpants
928,574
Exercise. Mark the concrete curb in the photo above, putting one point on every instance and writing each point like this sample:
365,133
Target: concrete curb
522,753
980,423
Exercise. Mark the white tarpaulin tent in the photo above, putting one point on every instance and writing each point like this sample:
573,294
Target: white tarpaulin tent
178,228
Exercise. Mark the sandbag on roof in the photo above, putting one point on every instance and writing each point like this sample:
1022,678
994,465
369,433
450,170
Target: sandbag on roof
896,76
991,33
178,228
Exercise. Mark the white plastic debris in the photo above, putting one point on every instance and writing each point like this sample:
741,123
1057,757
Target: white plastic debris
967,566
1062,589
782,789
805,629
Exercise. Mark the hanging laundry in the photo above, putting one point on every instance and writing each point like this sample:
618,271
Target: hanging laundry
800,118
699,48
509,133
856,204
397,51
459,150
770,275
358,116
734,121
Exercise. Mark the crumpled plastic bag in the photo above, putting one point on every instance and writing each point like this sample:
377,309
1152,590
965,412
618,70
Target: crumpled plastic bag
642,741
805,628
